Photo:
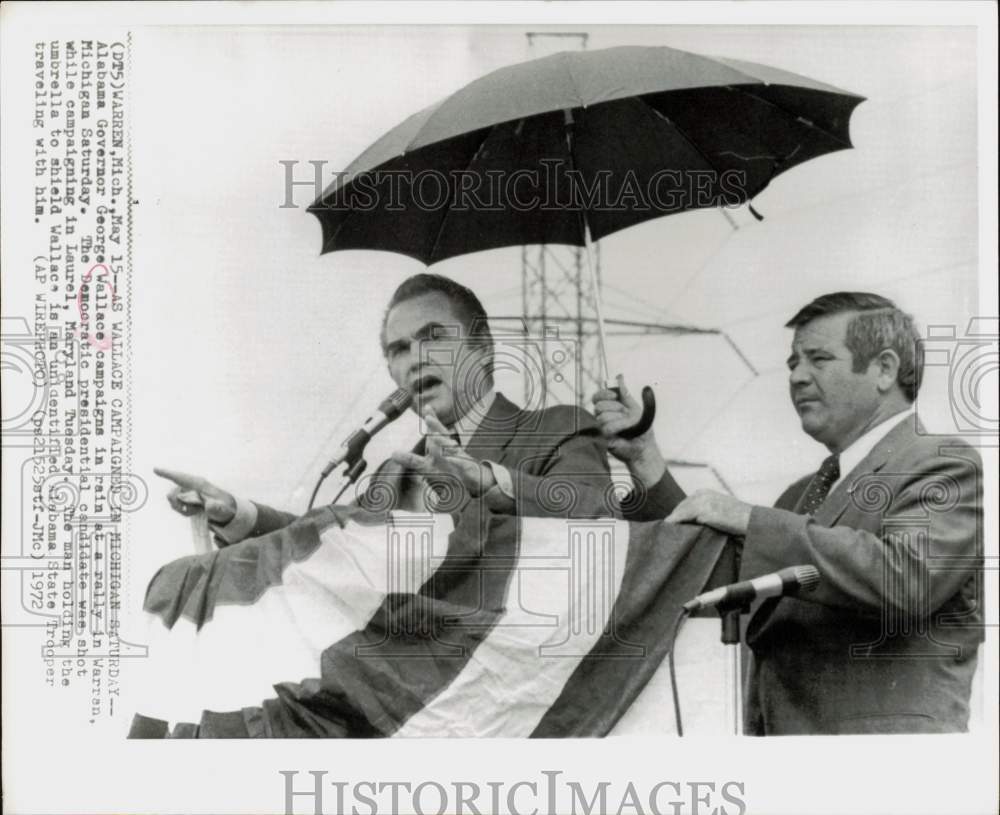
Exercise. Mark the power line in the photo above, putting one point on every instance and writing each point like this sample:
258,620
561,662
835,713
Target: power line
771,312
794,211
651,311
723,407
323,449
687,283
626,327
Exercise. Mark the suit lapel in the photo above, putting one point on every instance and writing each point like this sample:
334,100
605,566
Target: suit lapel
495,431
837,501
489,443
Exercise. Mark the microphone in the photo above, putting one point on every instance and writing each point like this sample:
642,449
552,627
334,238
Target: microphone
391,409
784,583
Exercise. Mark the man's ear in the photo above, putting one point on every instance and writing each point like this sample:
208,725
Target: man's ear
887,367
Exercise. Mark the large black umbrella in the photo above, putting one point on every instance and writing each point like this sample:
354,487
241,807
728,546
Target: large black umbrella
575,146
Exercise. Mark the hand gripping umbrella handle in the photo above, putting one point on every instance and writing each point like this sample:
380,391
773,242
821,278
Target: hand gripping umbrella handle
648,413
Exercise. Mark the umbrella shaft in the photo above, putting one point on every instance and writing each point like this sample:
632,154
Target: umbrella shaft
595,287
591,266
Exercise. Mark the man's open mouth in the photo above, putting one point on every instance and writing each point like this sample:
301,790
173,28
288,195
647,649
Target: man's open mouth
424,384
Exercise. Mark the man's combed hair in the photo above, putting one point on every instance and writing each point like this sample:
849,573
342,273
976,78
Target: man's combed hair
466,305
879,325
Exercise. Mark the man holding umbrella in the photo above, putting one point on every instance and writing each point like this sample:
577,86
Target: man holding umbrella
888,641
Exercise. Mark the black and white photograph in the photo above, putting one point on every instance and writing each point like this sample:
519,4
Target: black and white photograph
499,408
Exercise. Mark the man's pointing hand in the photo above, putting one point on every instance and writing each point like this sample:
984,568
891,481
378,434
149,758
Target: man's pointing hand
193,492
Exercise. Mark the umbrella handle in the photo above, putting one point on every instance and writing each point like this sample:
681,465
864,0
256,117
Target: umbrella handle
648,413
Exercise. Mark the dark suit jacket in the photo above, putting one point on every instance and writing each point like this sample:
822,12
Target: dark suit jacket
557,459
888,641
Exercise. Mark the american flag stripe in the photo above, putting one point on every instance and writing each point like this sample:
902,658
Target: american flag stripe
360,629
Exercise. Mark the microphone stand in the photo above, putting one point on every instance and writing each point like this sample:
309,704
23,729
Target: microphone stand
737,597
725,572
729,565
731,639
356,465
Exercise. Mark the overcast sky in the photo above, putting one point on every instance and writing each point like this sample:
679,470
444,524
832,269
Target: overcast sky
254,354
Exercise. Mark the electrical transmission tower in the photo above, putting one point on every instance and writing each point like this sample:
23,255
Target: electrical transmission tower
559,300
557,294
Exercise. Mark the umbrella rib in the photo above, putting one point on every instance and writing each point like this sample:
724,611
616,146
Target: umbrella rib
681,133
342,224
566,61
336,232
330,242
416,136
447,210
788,113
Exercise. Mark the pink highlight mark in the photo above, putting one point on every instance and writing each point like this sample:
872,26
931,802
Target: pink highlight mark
100,343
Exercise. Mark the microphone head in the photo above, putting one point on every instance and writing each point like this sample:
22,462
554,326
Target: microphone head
806,578
396,404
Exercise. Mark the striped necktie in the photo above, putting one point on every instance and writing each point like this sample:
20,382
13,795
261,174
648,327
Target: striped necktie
819,487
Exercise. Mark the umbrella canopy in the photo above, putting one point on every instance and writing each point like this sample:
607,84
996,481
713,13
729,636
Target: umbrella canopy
543,151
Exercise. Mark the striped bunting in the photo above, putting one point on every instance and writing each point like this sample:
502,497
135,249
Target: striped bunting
348,624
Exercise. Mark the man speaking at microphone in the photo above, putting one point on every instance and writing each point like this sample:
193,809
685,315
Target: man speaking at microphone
887,641
481,455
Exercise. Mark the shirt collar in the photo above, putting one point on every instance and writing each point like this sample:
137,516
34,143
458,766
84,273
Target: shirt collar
470,421
855,453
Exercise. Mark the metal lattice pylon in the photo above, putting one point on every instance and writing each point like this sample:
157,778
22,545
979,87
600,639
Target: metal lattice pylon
559,300
557,295
558,304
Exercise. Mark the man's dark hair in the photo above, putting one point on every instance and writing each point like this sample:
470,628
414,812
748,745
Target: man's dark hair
878,325
464,301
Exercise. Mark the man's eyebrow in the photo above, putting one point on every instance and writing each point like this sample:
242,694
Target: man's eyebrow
429,330
811,349
808,351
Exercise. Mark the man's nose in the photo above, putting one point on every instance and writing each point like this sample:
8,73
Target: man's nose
411,353
415,362
799,375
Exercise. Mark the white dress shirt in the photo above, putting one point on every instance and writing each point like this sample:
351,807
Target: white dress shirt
861,447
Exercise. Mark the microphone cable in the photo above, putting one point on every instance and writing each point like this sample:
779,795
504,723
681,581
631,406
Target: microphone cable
312,498
351,475
353,447
319,483
673,672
